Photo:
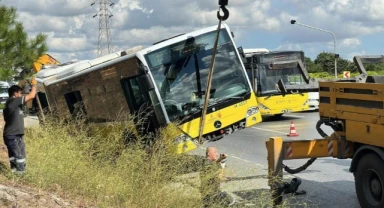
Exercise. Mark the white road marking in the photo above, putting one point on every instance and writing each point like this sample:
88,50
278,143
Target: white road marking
279,132
241,159
295,116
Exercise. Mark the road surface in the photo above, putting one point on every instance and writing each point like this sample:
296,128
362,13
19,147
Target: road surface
327,181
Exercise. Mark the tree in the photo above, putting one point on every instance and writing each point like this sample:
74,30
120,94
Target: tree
17,50
311,66
345,65
374,67
326,61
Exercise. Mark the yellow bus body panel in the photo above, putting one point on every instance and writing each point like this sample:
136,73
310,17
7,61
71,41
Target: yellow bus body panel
227,116
278,104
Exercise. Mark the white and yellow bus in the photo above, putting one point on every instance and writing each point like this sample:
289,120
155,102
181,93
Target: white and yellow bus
168,77
265,68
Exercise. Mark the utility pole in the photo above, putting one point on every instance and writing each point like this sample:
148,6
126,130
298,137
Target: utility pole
104,40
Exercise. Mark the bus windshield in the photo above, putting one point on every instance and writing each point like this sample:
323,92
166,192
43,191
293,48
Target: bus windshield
275,66
181,70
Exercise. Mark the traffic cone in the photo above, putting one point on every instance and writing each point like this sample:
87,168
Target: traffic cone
292,130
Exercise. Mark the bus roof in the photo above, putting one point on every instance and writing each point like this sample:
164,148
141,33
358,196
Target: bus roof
82,67
57,73
182,37
255,50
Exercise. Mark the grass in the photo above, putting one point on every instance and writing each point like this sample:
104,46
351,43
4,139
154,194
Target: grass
100,169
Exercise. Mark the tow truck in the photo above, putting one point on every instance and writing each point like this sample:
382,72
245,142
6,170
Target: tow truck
354,109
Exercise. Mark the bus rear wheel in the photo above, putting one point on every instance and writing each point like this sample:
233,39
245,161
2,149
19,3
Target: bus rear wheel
369,181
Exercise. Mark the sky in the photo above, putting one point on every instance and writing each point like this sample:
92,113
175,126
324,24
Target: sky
73,31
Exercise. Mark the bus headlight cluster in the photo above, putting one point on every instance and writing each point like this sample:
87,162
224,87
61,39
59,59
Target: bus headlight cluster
181,138
251,111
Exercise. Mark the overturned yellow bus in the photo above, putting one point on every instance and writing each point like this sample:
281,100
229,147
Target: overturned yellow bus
169,78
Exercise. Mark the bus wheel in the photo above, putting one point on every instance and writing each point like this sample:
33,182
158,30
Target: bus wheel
369,181
278,115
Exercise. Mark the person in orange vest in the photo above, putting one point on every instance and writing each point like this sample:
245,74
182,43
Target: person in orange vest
14,125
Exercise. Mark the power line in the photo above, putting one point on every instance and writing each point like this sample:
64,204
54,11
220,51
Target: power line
104,42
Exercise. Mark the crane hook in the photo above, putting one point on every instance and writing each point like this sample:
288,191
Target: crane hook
225,11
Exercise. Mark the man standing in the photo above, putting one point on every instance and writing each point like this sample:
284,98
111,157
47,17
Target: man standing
14,125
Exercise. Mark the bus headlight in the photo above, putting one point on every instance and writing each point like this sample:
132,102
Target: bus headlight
181,138
252,110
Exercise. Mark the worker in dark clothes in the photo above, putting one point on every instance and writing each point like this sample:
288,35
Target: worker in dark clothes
14,125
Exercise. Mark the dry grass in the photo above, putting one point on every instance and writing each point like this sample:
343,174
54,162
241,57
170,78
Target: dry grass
97,167
102,168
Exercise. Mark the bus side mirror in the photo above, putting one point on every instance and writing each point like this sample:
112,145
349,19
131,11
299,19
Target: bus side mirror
142,69
281,87
241,51
148,84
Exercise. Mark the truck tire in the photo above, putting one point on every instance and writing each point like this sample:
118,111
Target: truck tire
369,181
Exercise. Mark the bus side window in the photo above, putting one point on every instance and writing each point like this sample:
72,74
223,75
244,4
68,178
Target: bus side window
75,103
134,93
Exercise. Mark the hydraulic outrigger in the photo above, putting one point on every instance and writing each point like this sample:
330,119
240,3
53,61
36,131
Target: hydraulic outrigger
354,109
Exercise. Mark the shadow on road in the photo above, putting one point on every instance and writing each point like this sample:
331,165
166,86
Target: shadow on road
335,161
318,195
261,198
279,118
309,111
335,194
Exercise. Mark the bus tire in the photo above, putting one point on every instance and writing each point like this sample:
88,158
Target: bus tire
369,181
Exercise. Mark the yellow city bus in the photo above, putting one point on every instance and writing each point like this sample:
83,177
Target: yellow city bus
168,77
265,68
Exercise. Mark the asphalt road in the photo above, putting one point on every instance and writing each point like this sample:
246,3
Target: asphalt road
327,181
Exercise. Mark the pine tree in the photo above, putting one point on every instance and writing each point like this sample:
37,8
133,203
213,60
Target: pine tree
17,50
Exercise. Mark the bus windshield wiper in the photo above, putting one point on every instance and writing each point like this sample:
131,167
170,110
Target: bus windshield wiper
270,94
223,99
